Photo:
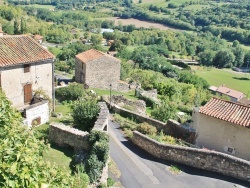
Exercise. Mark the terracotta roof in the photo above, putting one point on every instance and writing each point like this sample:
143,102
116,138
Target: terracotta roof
227,111
92,54
20,50
230,92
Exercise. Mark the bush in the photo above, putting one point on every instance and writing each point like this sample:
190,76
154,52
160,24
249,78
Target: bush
97,136
94,168
164,111
72,92
110,182
84,112
145,128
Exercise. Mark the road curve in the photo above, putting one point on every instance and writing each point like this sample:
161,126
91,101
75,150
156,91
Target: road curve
141,170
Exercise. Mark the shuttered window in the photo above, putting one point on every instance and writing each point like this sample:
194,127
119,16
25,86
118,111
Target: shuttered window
26,68
27,93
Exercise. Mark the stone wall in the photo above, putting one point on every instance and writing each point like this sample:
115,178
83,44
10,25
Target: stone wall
101,123
172,127
66,136
198,158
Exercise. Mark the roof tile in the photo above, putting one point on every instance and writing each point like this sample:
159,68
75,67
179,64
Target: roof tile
227,111
21,49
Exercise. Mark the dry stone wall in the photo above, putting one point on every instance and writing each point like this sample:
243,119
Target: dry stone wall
66,136
102,120
199,158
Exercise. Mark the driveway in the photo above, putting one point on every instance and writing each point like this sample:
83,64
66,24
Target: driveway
141,170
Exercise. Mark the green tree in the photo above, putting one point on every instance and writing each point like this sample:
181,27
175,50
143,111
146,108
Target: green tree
224,58
165,111
84,112
96,39
207,57
23,26
16,27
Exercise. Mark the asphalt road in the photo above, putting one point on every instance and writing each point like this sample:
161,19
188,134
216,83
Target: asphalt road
141,170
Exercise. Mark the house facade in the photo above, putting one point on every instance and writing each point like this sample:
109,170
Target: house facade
223,126
97,69
25,67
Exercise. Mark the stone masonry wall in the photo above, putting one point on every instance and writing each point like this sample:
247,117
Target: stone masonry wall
172,127
66,136
198,158
102,72
102,119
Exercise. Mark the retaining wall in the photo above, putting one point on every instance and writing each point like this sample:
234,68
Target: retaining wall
66,136
172,127
199,158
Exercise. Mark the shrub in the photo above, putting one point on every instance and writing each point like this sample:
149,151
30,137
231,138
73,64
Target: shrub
110,182
72,92
164,111
94,168
84,112
21,160
145,128
97,136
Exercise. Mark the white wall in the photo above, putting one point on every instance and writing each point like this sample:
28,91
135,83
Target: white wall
13,79
216,134
37,110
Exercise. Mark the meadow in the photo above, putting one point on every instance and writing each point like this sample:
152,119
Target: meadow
217,77
41,6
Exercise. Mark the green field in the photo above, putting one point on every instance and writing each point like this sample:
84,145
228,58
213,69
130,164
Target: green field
41,6
217,77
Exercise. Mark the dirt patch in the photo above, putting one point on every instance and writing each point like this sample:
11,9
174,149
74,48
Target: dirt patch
139,23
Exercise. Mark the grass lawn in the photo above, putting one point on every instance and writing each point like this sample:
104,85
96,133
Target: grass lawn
217,77
41,6
55,50
66,117
129,95
54,152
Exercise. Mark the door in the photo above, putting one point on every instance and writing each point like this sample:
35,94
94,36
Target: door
27,93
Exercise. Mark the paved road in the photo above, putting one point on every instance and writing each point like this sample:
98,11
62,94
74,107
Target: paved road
140,170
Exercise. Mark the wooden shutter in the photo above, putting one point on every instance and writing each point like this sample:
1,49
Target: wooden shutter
26,68
27,93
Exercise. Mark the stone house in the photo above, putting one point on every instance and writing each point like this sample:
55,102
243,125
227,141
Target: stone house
26,67
223,90
97,69
223,126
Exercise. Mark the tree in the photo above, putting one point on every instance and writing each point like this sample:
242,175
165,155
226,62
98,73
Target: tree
84,112
23,26
239,56
16,27
224,58
96,39
207,57
165,111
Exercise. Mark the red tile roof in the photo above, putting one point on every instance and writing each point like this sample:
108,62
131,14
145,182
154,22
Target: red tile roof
21,49
92,54
230,92
38,37
227,111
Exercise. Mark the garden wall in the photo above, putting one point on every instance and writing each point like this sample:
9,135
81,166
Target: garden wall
66,136
101,123
199,158
172,128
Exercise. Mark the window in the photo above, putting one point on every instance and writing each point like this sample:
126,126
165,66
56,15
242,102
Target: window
230,150
27,93
26,68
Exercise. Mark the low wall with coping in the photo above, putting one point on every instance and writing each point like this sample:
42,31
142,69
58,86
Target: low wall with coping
66,136
101,123
172,127
198,158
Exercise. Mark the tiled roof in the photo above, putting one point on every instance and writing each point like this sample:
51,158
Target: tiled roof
21,49
92,54
227,111
244,101
230,92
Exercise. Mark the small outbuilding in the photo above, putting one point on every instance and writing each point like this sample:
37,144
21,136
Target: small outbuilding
97,69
